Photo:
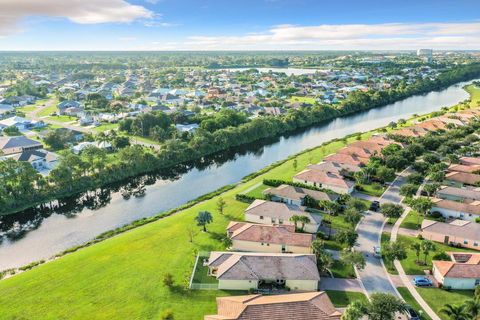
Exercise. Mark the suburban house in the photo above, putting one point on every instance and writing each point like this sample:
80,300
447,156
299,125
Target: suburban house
459,179
296,195
462,273
347,159
458,233
69,104
41,160
268,238
20,123
456,210
97,144
468,168
18,144
458,194
247,270
325,179
299,306
343,169
277,213
470,161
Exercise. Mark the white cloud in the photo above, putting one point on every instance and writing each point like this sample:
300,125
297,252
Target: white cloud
346,36
78,11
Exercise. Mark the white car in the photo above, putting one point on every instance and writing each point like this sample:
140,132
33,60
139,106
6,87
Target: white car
377,252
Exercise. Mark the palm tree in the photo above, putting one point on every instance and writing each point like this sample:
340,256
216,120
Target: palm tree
472,307
417,248
303,220
455,312
203,218
295,219
427,247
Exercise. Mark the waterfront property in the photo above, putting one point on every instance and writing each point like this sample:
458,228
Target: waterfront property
299,306
296,195
457,233
244,271
461,273
325,179
268,238
277,213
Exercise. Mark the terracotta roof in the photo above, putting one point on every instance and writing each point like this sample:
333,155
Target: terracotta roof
446,120
324,178
263,266
297,193
463,265
463,177
457,228
473,208
432,125
470,161
283,234
334,167
298,306
468,168
346,158
358,151
279,210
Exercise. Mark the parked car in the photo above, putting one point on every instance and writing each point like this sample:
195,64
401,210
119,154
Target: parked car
375,205
377,252
422,282
412,314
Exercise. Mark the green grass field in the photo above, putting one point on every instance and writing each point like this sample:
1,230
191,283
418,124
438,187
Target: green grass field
437,298
121,278
106,127
412,221
343,298
48,111
63,119
309,100
373,189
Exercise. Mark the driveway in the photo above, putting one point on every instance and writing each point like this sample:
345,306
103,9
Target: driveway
340,284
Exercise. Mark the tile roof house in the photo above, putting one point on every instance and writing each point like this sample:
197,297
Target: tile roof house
342,169
347,159
327,180
456,210
458,232
298,306
467,168
247,270
41,160
466,195
268,238
470,161
462,273
18,144
456,178
277,213
296,195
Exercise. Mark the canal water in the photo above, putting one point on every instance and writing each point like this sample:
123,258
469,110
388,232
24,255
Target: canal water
38,234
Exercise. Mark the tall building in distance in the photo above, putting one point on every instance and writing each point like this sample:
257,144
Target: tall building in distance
426,53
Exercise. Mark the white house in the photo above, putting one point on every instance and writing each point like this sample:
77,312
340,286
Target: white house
456,210
326,180
462,273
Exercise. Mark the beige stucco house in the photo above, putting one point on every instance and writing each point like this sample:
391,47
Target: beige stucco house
458,232
456,210
296,195
268,238
326,180
277,213
248,270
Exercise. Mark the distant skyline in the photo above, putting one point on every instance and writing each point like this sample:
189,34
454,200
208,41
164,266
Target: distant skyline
239,25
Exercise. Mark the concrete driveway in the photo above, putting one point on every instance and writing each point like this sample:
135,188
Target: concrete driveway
340,284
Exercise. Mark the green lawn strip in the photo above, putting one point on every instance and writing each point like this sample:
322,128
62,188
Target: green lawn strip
47,111
412,221
258,191
437,298
342,270
106,127
309,100
411,267
385,238
342,299
373,189
410,300
63,119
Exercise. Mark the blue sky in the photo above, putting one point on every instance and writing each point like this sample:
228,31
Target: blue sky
238,25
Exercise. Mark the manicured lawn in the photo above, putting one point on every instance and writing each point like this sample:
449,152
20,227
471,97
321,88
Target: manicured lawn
257,192
373,189
47,111
121,278
309,100
410,300
106,127
412,221
343,298
474,92
201,274
341,270
410,266
26,109
63,119
437,298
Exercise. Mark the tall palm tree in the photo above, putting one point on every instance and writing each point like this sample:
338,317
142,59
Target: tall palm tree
417,248
303,220
455,312
295,219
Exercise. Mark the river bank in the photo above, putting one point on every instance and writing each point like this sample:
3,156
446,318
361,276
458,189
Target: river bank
131,265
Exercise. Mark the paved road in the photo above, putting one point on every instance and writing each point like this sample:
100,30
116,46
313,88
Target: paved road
374,276
340,284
